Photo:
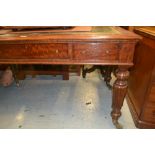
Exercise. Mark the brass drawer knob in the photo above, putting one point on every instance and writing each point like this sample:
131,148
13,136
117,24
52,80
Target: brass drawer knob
83,52
56,51
107,51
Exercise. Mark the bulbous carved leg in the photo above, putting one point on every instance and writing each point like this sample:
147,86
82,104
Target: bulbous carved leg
119,93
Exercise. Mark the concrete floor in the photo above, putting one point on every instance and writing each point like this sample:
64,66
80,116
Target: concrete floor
45,103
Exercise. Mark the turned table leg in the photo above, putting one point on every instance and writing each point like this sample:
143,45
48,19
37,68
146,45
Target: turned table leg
119,93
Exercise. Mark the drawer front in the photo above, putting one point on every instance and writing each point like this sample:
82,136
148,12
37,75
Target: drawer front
34,51
149,114
152,94
95,51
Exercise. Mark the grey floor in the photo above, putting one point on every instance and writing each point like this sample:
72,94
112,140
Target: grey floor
50,102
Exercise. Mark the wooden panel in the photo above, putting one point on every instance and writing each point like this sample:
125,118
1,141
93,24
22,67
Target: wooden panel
152,94
32,51
153,75
141,86
95,51
140,75
126,52
149,114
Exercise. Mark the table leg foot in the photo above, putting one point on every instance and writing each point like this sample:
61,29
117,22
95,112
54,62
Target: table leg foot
117,124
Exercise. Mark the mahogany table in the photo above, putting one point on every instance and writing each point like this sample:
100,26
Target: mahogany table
96,46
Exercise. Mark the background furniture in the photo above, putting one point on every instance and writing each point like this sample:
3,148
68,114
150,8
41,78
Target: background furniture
35,70
22,70
141,91
54,70
104,70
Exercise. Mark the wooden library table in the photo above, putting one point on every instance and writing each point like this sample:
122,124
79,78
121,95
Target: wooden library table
99,45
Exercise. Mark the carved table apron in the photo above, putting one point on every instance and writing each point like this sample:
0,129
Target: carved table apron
96,47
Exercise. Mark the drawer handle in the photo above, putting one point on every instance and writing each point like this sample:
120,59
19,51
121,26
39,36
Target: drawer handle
56,51
107,51
83,52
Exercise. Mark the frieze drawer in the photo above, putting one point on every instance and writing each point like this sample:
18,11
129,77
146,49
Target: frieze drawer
32,51
95,51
